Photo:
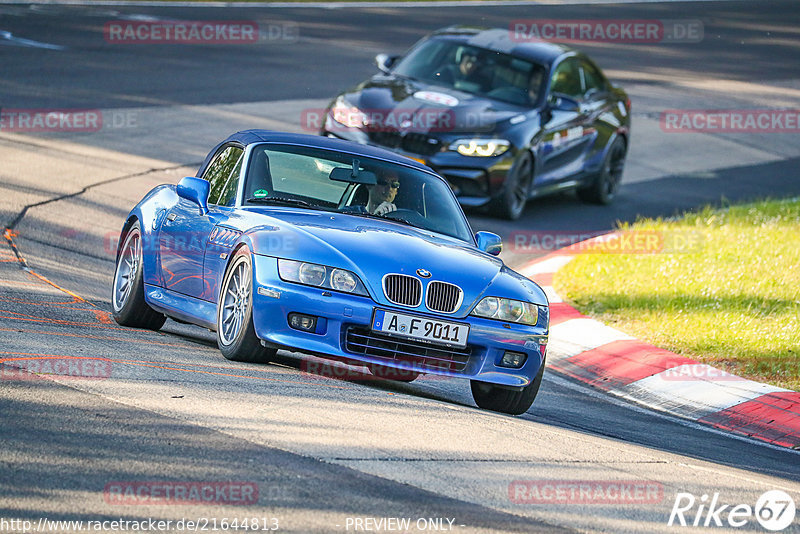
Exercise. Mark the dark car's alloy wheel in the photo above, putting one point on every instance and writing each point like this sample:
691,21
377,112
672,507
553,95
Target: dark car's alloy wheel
500,399
605,184
511,203
236,336
127,298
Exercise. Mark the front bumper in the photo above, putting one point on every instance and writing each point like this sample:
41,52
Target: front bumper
343,329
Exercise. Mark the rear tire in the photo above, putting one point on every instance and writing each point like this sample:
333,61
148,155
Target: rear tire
511,203
128,305
605,184
236,335
504,400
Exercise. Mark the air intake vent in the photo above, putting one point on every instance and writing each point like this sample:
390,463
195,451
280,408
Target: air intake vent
443,297
402,289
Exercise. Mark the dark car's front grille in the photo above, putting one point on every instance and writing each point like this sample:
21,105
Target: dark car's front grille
363,341
387,138
443,297
402,289
416,143
422,144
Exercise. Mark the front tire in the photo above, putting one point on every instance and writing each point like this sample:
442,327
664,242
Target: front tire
504,400
603,188
511,203
236,335
128,305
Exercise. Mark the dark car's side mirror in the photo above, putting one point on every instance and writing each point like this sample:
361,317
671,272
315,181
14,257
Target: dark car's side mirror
384,62
489,243
561,102
195,190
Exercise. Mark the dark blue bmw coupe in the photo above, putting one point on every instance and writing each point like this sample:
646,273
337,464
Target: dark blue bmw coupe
502,120
305,243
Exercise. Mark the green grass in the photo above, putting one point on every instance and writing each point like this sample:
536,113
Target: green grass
732,302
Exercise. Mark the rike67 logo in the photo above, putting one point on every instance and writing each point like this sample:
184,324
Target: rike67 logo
774,510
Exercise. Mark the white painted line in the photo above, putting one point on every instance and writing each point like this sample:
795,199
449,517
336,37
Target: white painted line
8,38
694,398
652,410
572,337
549,265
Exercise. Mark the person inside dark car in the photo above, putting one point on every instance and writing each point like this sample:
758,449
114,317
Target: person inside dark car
468,73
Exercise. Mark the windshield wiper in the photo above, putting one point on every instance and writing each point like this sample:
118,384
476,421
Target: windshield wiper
282,200
384,218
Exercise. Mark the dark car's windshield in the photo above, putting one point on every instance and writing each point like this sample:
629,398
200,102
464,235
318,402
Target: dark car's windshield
300,176
474,70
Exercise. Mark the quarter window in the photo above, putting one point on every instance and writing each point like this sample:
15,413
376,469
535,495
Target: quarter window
223,176
566,79
593,81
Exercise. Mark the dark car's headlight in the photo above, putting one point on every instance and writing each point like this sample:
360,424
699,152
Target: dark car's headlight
313,274
348,115
508,310
482,148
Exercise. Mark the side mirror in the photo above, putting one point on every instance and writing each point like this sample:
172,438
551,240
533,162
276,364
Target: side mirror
384,62
563,103
489,243
195,190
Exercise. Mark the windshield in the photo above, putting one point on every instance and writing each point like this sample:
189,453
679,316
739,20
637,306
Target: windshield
474,70
301,176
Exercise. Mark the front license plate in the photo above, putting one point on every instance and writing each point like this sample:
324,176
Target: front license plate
421,328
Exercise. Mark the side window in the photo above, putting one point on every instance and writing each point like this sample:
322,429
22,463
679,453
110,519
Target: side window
223,176
566,79
593,80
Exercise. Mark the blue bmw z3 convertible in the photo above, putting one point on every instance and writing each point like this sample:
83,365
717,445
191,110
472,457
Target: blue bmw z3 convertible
345,251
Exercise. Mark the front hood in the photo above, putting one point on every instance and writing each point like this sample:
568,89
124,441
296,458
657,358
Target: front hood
412,105
373,248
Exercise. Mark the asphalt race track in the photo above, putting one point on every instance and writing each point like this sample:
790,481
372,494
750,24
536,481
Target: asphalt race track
323,454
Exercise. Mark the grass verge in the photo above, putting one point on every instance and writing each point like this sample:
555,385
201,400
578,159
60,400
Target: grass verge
731,301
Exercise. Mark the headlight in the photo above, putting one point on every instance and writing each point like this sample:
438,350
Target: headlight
480,147
312,274
508,310
348,115
342,280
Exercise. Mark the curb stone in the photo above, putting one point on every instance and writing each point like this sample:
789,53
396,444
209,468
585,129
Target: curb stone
605,358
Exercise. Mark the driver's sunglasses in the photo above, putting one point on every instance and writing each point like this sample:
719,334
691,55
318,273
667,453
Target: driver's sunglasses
393,184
